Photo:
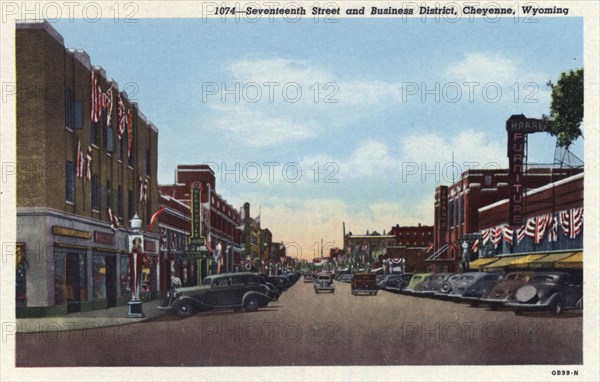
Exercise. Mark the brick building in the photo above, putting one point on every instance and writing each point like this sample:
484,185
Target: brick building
87,162
456,218
551,209
221,223
413,236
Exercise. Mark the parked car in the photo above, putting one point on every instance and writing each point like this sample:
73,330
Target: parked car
553,291
432,284
391,283
466,282
497,296
379,278
364,284
224,291
324,282
309,278
345,277
281,282
448,286
481,286
415,280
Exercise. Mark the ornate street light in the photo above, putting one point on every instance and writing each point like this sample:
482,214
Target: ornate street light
136,253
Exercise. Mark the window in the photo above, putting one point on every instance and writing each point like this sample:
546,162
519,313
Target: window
70,181
95,192
109,203
124,276
130,204
148,162
68,113
95,131
99,276
119,206
108,138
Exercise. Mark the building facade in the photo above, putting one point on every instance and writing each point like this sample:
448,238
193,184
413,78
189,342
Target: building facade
87,162
456,217
221,224
420,236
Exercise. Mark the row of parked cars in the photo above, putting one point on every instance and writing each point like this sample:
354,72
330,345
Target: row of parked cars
554,291
248,291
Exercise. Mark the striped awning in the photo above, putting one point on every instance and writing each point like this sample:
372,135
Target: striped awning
575,261
501,263
479,263
549,260
525,261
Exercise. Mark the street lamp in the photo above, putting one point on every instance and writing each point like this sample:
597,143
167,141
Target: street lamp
136,252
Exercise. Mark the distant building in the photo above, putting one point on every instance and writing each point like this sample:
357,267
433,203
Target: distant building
420,236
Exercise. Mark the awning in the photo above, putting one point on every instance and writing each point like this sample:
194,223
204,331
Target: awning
549,260
575,261
501,263
479,263
525,261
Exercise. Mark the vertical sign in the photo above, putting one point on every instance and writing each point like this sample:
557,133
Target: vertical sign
443,214
517,126
196,216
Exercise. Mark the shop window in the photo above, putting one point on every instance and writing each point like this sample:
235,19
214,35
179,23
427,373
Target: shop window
70,181
99,277
21,277
70,277
124,276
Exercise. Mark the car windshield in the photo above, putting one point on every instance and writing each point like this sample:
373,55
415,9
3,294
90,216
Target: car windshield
467,278
543,279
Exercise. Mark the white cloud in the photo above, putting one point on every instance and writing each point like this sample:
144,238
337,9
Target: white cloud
471,149
370,157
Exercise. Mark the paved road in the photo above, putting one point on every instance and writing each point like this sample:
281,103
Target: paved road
303,328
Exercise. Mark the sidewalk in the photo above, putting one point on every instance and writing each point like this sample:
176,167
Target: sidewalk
86,320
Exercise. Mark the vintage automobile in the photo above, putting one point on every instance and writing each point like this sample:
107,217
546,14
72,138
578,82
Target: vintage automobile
309,278
391,283
345,277
447,286
225,291
281,282
432,284
415,280
364,284
499,293
466,282
473,293
553,291
324,282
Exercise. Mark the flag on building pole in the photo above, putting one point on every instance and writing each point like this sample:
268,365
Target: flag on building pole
88,163
113,219
79,165
154,217
129,118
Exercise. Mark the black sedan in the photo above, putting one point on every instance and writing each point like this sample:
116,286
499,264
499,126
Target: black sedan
553,291
225,291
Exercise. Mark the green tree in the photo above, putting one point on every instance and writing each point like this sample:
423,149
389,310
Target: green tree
566,110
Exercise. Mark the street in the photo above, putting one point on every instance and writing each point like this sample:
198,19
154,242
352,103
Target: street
304,328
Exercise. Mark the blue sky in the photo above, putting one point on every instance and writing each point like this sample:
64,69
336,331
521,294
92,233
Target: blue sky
375,140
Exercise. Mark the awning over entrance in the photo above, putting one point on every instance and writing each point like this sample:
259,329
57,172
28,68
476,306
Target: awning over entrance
479,263
501,263
575,261
525,261
549,260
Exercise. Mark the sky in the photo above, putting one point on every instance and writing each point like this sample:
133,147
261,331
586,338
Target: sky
322,123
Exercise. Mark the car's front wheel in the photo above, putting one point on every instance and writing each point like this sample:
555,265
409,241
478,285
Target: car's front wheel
184,309
251,304
557,307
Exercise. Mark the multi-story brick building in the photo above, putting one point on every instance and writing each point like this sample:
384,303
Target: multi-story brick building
87,162
413,236
456,219
221,223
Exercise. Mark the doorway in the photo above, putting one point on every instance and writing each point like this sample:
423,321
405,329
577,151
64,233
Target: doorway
73,283
111,281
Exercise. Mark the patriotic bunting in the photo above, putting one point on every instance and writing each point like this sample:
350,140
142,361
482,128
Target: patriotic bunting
571,222
88,164
129,118
508,234
100,101
163,239
485,236
143,189
496,235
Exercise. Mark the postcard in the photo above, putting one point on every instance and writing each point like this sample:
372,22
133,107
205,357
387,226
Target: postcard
350,190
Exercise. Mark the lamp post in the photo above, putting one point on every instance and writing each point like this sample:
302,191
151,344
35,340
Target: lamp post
136,252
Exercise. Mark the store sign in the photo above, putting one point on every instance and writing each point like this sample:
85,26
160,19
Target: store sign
150,246
517,128
196,216
443,208
104,238
64,231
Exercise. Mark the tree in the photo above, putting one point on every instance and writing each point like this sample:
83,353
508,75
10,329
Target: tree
566,109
